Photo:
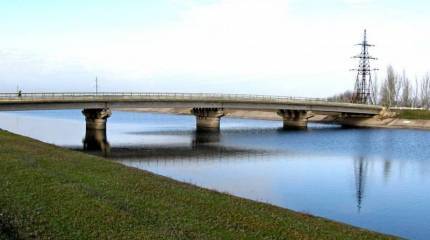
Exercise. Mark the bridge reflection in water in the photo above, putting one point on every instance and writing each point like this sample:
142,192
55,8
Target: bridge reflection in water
203,147
96,141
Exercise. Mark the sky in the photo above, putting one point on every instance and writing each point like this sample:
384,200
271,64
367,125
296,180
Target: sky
277,47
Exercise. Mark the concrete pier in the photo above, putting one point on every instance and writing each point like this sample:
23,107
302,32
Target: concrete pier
208,119
294,119
96,118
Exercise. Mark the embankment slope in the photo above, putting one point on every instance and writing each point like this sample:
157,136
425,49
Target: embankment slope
47,192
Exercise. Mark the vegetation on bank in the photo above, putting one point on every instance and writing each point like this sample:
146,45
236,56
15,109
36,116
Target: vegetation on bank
47,192
414,114
395,90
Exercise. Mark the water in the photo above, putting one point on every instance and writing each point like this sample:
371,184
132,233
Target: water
373,178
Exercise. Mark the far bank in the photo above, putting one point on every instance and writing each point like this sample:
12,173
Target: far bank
404,119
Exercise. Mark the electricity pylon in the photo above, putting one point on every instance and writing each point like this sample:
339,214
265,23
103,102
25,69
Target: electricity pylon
363,84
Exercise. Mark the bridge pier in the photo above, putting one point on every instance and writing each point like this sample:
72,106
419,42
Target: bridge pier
294,119
96,118
208,119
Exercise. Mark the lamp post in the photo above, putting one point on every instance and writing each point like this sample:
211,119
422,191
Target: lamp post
97,86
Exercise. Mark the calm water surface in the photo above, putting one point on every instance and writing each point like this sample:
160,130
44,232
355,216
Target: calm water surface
372,178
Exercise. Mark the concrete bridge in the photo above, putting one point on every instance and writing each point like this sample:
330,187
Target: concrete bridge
208,108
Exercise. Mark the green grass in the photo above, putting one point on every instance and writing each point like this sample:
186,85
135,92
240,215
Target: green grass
47,192
414,114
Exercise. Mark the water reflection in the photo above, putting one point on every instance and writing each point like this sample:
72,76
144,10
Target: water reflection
202,147
387,169
205,137
96,141
360,173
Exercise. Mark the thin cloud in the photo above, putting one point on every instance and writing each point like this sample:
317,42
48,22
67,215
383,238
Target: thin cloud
248,45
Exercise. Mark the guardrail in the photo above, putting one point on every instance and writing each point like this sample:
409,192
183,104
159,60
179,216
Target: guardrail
157,95
62,95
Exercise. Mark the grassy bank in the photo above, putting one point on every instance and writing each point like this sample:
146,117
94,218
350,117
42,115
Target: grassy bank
414,114
48,192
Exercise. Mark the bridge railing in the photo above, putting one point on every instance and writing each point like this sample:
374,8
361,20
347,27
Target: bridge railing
61,95
151,96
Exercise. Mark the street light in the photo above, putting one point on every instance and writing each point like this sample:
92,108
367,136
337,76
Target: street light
97,86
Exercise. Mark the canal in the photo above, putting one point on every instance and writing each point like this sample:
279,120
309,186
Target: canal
372,178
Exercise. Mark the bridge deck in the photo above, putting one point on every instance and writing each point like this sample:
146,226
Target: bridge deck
116,100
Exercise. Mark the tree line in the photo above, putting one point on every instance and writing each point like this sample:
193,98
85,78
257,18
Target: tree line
396,90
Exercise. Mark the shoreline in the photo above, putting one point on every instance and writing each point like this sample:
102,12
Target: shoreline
52,192
373,122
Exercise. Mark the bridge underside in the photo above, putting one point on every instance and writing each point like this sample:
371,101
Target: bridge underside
209,119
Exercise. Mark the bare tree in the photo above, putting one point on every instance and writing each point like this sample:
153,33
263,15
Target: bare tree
343,97
390,88
406,91
415,94
425,91
374,90
384,94
397,85
395,90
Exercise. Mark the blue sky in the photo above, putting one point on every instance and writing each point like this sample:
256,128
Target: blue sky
282,47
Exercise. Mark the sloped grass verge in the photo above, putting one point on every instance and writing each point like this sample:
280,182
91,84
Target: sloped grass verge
47,192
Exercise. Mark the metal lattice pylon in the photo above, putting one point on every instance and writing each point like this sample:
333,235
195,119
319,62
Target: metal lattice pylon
363,84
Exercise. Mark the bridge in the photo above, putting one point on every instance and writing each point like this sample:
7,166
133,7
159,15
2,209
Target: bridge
208,108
